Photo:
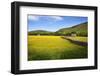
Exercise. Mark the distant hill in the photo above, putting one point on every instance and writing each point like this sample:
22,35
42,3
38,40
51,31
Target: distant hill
41,32
80,29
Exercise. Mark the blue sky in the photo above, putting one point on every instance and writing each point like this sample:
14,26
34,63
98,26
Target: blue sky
53,23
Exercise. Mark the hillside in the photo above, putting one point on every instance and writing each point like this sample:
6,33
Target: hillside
41,32
80,30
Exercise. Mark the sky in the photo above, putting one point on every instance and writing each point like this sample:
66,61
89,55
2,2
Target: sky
53,23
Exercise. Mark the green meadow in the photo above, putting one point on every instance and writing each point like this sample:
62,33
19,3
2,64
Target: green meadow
82,39
55,47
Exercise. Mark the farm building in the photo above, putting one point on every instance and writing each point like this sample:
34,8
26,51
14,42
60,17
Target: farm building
73,34
38,34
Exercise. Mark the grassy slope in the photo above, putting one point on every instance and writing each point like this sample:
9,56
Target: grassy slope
53,47
39,32
80,28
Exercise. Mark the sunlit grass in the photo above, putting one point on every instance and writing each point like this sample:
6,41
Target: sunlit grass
53,47
82,39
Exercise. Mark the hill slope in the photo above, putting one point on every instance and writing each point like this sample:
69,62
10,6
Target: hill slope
41,32
80,29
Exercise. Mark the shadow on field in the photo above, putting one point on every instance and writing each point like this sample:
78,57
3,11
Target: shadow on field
76,42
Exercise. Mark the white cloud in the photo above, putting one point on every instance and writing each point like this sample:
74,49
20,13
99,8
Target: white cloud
35,18
57,18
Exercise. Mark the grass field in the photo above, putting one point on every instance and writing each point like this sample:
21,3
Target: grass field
82,39
54,47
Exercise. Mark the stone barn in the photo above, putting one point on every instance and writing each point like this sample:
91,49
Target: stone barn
73,34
